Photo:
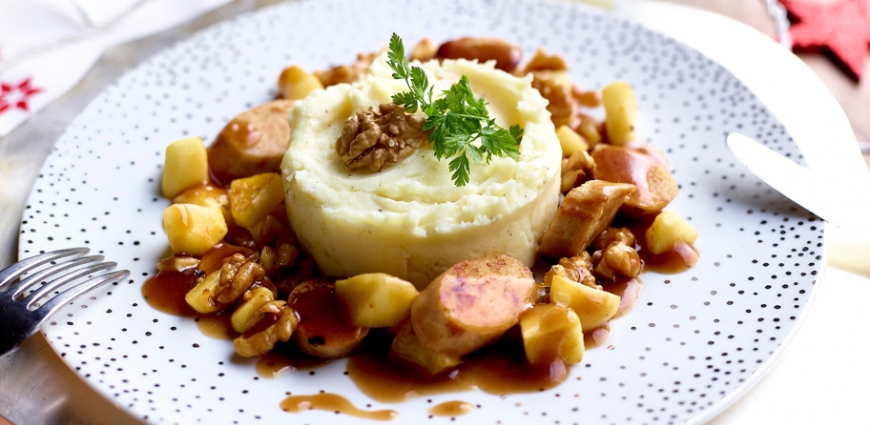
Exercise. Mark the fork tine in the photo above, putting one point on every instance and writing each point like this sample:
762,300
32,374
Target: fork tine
11,273
65,279
43,274
73,292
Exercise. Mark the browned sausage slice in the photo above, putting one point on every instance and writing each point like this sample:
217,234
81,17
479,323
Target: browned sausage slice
408,347
472,303
252,143
506,55
656,188
324,331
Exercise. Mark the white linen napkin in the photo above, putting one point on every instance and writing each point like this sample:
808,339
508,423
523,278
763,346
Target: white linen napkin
47,46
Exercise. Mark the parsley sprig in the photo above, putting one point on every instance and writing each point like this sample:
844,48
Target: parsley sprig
460,124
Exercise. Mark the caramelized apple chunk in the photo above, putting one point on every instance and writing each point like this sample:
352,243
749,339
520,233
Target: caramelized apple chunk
668,228
375,300
193,229
253,198
593,306
186,166
551,332
620,108
295,83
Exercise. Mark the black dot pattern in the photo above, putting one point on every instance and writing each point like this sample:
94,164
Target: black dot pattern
694,341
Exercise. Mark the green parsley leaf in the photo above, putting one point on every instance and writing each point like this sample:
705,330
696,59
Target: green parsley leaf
459,121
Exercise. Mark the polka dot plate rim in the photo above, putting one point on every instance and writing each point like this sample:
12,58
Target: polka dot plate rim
695,341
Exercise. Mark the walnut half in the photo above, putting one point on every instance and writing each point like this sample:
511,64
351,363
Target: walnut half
381,136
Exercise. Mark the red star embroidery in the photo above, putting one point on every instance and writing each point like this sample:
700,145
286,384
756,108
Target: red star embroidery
16,95
842,29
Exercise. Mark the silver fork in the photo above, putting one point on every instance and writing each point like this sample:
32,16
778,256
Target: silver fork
26,288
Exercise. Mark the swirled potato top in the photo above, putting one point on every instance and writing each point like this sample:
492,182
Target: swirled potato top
409,219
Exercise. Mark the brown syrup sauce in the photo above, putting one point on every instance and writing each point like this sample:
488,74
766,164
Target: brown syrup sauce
451,408
334,403
499,369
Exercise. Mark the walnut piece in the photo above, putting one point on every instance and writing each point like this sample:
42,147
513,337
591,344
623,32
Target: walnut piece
424,50
380,136
577,268
237,275
562,105
545,62
614,234
576,170
271,258
282,322
346,73
616,259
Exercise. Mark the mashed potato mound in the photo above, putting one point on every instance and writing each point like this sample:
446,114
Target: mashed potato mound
409,219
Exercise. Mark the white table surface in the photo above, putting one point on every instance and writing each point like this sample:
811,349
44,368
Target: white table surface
823,377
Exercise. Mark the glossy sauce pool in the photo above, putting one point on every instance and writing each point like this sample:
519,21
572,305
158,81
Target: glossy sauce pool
500,369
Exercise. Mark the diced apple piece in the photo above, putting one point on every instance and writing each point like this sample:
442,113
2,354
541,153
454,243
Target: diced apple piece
201,297
620,109
193,229
552,332
571,141
667,229
206,196
248,313
295,83
186,166
375,300
253,198
594,306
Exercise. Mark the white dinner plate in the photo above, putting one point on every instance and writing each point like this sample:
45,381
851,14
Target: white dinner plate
695,340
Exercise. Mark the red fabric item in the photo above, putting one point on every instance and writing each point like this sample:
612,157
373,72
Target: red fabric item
25,91
842,29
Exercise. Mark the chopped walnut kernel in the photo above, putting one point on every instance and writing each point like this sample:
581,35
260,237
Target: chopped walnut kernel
614,234
590,128
577,268
616,259
587,98
424,50
380,136
545,62
346,73
271,258
260,342
576,170
562,106
286,281
237,275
